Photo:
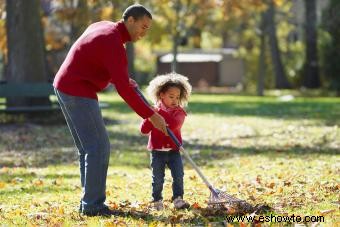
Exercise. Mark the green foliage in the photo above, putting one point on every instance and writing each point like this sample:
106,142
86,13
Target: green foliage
207,24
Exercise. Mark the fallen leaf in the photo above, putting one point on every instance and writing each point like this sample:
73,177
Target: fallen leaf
195,205
38,182
270,185
175,218
60,210
2,184
279,190
231,210
251,197
287,183
4,170
57,181
258,179
193,177
16,180
323,212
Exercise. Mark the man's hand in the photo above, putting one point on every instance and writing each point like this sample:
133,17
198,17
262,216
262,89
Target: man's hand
158,122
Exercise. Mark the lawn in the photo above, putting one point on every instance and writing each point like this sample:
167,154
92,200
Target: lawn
285,154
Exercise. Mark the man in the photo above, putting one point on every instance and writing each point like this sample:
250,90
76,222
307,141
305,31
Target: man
96,59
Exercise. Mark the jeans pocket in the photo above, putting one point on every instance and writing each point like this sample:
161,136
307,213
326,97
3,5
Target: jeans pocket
66,99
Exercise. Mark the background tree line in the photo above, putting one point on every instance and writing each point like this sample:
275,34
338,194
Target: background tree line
279,50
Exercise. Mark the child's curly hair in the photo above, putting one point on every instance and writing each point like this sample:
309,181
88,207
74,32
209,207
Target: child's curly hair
162,83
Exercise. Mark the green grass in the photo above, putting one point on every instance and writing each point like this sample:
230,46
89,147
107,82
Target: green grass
261,149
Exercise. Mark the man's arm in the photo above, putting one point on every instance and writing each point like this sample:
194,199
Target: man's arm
116,62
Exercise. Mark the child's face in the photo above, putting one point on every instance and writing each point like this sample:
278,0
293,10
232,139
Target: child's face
170,98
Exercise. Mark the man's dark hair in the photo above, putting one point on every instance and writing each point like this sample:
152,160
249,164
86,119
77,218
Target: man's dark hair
137,11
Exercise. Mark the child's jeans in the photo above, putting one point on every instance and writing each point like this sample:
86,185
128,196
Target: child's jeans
159,159
87,128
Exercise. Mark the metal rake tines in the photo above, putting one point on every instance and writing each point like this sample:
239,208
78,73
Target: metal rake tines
222,200
221,197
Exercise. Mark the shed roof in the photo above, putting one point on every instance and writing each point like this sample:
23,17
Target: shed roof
192,57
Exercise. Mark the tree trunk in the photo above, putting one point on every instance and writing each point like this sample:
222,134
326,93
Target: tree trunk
281,80
196,33
331,53
262,57
26,55
311,73
80,21
175,38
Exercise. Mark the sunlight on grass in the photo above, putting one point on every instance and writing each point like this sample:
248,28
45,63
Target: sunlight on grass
284,154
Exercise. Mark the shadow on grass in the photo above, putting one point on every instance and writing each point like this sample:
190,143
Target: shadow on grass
130,150
200,218
36,189
32,175
329,112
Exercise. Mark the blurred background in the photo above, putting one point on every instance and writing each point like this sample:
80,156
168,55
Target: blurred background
231,45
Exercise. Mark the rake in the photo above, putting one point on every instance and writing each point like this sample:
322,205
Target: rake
218,199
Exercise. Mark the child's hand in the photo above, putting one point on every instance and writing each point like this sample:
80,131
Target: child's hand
158,122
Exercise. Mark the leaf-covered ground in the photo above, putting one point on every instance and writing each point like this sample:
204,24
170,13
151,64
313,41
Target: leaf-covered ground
285,154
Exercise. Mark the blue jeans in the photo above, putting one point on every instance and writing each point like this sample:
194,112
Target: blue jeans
159,159
87,128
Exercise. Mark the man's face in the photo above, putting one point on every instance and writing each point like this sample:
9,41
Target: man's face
138,28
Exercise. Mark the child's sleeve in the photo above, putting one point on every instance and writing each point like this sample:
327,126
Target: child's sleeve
174,119
146,126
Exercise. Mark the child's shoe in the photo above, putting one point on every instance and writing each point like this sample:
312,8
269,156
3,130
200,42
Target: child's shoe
179,203
158,205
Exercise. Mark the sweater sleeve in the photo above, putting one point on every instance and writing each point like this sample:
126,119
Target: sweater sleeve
174,119
146,126
118,69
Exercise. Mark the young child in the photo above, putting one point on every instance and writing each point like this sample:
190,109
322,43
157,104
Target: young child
169,94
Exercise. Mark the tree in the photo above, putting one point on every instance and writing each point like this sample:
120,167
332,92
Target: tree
331,58
262,65
281,80
25,42
311,70
239,27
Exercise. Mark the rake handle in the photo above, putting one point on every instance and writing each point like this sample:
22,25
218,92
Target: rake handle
185,153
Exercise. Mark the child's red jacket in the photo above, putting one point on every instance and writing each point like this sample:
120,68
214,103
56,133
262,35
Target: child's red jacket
174,117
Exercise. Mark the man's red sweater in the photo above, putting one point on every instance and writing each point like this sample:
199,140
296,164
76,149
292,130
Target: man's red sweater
174,117
96,59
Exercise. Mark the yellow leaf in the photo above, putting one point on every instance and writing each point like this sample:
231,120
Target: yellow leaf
278,3
192,177
2,184
18,211
106,13
60,210
38,182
